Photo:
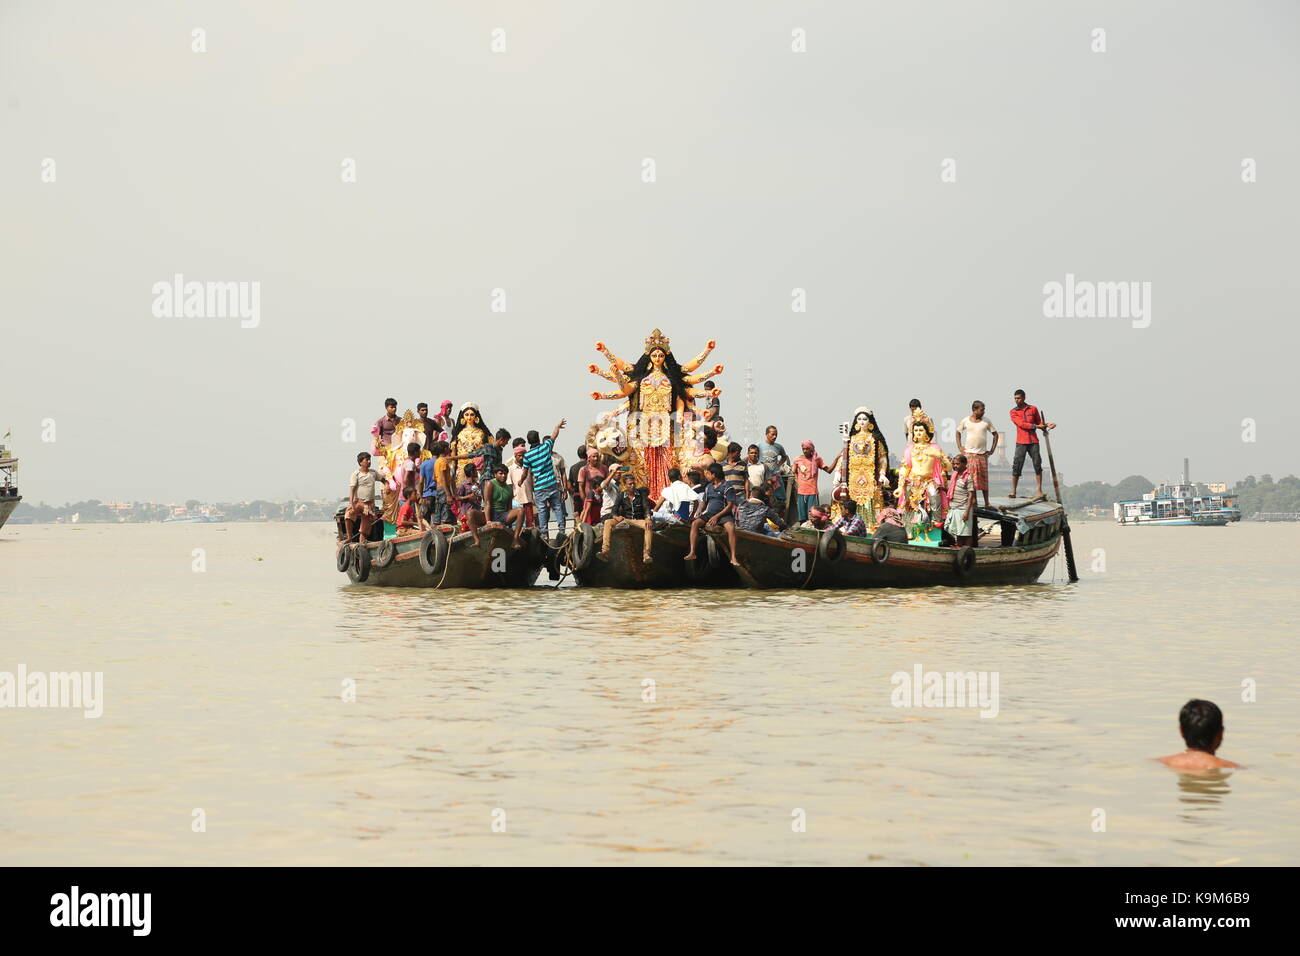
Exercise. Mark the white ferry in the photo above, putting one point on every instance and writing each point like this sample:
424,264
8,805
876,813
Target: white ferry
1179,504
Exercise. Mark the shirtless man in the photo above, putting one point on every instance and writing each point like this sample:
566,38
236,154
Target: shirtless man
1201,724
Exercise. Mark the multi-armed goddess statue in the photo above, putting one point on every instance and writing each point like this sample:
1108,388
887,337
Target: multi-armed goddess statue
654,429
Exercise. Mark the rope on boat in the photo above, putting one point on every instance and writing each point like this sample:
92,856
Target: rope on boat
446,563
811,568
566,560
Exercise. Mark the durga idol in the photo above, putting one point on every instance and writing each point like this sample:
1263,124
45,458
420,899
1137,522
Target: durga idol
659,397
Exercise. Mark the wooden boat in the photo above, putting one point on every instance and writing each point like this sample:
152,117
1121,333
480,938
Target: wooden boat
9,496
624,567
1024,537
438,559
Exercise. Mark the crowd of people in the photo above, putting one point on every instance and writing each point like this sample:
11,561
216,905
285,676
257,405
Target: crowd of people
435,471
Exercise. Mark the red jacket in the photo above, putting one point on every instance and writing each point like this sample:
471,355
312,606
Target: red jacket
1026,421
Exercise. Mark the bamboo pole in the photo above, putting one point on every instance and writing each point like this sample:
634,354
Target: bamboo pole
1065,520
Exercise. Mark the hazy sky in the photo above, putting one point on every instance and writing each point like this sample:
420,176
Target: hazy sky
522,170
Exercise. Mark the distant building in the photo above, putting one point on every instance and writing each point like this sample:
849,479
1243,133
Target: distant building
1000,474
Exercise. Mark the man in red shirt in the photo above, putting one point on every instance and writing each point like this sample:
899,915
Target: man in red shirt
1027,420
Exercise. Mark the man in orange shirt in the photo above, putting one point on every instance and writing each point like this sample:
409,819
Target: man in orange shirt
1028,420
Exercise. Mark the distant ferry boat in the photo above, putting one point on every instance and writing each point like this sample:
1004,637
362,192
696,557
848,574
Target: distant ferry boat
181,516
1179,504
9,496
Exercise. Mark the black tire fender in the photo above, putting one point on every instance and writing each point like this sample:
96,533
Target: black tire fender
963,561
880,551
553,555
584,546
536,546
830,546
343,557
433,551
385,554
359,566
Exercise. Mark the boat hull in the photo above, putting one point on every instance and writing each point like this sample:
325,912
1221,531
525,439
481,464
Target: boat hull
624,567
7,506
792,561
493,563
1197,521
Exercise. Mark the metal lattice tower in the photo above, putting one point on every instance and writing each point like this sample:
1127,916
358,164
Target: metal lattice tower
750,434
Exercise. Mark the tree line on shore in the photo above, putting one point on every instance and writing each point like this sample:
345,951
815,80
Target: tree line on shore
1254,495
140,512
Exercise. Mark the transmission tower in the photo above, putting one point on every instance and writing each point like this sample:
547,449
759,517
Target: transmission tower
750,434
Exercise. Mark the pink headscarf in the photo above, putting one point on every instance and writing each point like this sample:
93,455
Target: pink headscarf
809,445
949,491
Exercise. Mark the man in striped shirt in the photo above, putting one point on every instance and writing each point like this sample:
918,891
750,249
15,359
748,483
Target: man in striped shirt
546,487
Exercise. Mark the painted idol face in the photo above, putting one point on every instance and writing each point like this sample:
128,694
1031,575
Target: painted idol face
657,358
471,417
862,423
920,435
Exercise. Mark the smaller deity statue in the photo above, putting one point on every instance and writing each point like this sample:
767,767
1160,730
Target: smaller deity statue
409,429
915,413
864,473
921,479
470,433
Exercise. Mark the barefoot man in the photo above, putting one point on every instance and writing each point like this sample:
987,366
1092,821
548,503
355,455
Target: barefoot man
1028,421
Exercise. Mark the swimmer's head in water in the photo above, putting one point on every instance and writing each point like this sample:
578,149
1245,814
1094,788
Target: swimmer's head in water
1201,723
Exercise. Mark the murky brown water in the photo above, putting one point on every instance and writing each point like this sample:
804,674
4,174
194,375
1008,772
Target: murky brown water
223,692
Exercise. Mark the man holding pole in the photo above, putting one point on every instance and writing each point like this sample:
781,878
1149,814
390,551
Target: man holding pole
1028,420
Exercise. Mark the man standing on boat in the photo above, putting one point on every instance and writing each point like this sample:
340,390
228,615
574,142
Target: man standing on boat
972,441
386,426
362,491
430,424
1028,420
915,413
547,495
961,503
445,420
772,452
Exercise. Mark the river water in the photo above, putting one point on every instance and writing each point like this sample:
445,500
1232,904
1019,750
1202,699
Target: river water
521,727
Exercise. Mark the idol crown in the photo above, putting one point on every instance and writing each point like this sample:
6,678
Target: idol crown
656,340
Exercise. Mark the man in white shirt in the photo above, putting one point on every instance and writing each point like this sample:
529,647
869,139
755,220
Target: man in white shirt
669,505
758,474
363,489
521,483
973,439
